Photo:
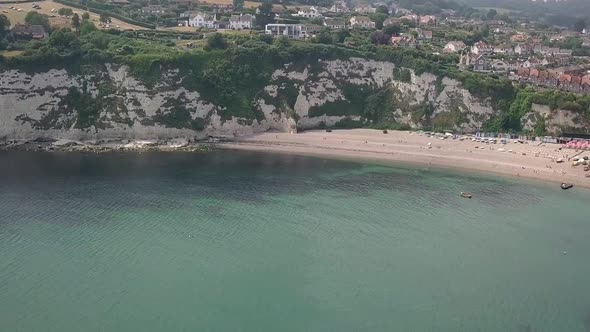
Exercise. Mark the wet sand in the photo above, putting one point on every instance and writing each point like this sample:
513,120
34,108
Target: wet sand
528,160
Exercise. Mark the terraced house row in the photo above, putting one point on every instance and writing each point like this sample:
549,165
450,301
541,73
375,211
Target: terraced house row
573,82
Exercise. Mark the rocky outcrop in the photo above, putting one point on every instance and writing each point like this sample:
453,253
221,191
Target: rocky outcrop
556,121
107,102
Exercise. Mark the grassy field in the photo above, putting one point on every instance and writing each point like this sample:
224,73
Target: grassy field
18,17
11,54
247,4
499,10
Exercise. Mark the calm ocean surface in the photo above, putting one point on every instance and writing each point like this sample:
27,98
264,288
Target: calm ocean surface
236,241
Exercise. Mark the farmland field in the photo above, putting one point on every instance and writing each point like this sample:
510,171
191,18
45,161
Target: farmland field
247,4
499,10
11,54
18,17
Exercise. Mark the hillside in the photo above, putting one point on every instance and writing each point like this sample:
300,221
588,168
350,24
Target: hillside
18,17
556,11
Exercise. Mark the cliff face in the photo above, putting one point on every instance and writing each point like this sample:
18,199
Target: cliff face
108,102
556,121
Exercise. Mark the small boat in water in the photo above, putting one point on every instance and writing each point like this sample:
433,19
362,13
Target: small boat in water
466,194
566,186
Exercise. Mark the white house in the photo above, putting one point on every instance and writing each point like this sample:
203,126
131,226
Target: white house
500,65
242,21
312,12
481,48
202,20
362,22
454,47
503,49
292,31
339,7
365,8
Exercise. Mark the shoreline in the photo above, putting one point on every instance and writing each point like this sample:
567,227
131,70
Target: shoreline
525,161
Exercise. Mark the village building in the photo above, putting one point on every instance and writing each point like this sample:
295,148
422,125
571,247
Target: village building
546,50
503,49
312,12
532,63
35,31
454,47
186,14
153,9
242,21
334,23
223,8
500,66
518,38
406,41
573,82
221,24
339,7
427,20
362,22
411,18
523,49
391,21
365,9
480,48
482,63
466,60
423,35
292,31
202,20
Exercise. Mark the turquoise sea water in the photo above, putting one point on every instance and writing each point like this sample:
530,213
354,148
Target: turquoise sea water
235,241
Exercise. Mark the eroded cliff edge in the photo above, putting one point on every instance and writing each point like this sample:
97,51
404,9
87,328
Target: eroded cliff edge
108,102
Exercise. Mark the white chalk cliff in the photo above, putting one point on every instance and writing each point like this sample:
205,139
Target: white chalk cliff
41,104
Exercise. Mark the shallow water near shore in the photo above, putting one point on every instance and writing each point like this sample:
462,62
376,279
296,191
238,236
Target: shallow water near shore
240,241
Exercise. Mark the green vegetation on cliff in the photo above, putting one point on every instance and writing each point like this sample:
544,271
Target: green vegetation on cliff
231,72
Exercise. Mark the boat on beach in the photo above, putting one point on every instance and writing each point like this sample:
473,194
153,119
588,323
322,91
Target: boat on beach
566,186
466,194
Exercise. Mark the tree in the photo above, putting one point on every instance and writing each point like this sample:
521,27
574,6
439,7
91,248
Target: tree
379,38
67,12
485,30
64,41
382,9
341,35
540,127
4,26
265,38
282,42
392,30
216,41
34,18
87,27
316,21
265,7
580,24
104,18
378,18
324,37
86,16
492,13
266,15
76,22
238,4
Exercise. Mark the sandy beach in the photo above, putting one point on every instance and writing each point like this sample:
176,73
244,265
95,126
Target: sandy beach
529,160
